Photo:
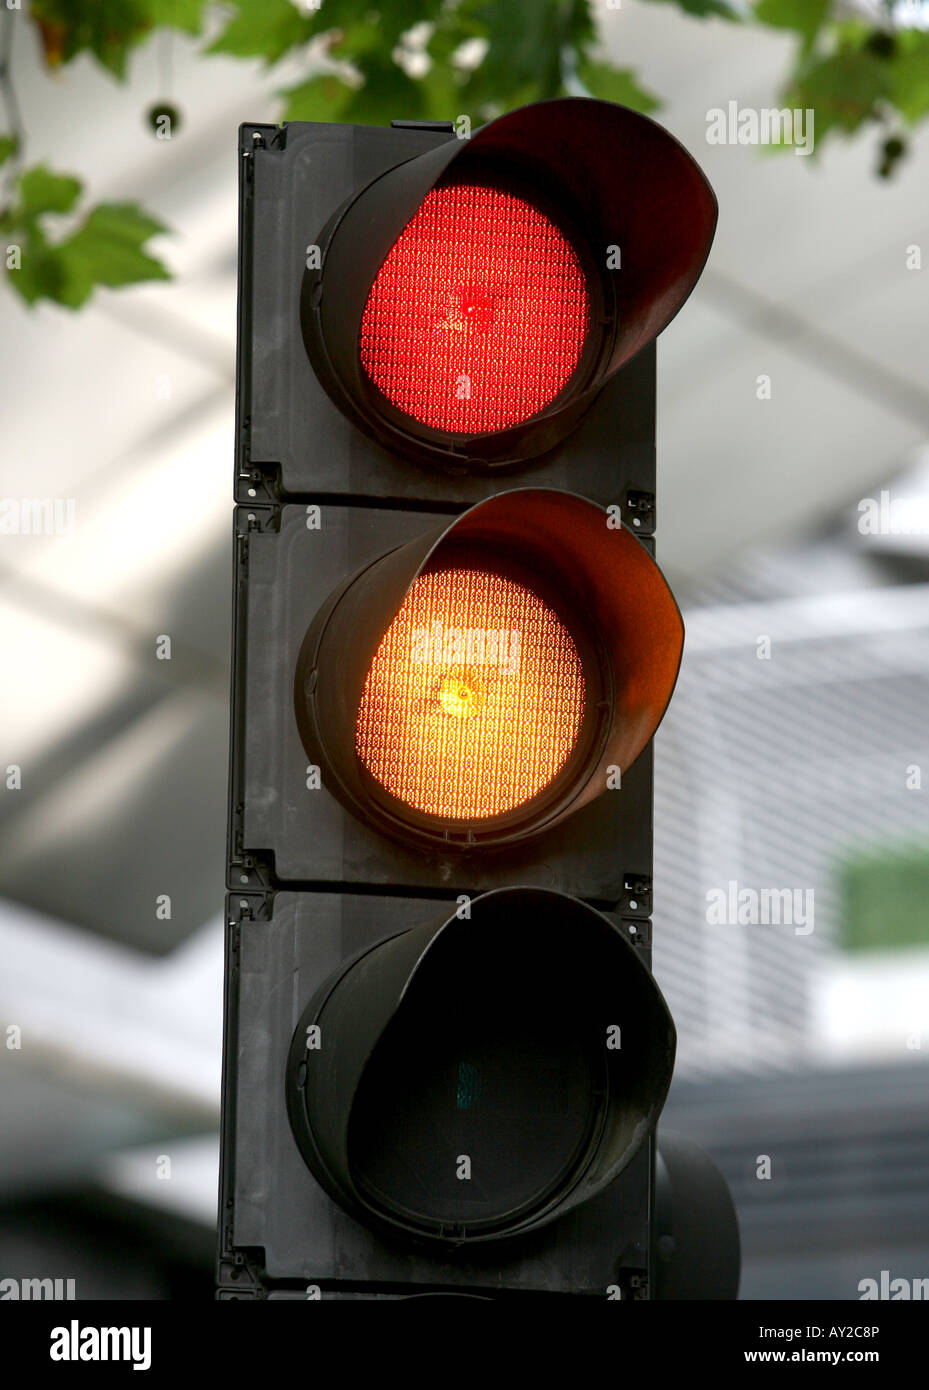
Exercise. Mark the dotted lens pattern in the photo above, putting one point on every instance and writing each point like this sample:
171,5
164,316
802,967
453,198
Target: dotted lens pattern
475,697
477,318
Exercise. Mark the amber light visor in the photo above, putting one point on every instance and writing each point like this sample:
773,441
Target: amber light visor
599,641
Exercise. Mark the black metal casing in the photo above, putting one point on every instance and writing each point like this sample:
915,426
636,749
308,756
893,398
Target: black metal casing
281,1234
309,883
291,439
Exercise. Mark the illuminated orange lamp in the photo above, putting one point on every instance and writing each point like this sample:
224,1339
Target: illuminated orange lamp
475,698
485,680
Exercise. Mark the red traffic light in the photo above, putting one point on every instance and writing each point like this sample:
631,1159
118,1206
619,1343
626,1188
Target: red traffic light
470,303
478,317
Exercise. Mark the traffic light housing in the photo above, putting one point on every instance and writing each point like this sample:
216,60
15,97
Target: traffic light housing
542,1117
465,306
484,681
445,1052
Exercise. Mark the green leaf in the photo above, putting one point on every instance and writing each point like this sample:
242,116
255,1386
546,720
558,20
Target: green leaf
703,9
527,41
389,18
441,90
271,28
388,94
909,75
41,273
357,42
379,32
107,250
185,15
8,147
106,28
41,190
320,98
843,89
805,17
109,29
447,37
267,29
616,84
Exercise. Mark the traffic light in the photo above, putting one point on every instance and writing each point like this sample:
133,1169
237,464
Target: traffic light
445,1052
465,308
472,1094
477,685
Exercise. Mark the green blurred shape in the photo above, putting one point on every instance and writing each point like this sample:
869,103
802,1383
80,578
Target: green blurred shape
885,898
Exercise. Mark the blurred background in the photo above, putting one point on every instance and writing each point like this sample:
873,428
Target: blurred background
793,525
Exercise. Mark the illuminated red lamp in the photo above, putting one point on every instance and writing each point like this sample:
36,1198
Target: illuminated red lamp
471,303
478,317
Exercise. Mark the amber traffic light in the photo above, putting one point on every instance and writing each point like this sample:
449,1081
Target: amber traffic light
491,677
475,697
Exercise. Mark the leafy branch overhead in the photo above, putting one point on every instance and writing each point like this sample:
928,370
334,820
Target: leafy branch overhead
107,248
365,62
